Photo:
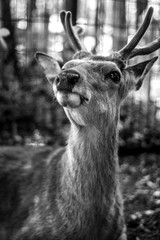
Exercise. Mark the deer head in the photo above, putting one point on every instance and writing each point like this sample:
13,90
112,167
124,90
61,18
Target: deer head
89,86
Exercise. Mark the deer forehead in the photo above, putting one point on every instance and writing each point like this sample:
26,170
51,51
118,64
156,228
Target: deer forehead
91,66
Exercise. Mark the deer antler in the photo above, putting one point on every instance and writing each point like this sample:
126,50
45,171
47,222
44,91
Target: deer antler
149,48
66,19
129,51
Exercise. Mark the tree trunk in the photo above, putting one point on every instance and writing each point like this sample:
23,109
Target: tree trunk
119,24
31,6
99,23
141,6
72,6
11,42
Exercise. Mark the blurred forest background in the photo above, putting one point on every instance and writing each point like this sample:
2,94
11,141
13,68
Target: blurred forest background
28,113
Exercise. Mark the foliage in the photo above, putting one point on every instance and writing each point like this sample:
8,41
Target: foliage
26,106
140,176
139,125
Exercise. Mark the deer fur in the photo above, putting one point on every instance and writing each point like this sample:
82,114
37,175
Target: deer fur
74,193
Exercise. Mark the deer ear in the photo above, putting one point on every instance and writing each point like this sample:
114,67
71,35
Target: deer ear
50,66
139,71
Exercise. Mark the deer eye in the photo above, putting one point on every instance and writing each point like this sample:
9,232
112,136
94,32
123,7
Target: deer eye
114,76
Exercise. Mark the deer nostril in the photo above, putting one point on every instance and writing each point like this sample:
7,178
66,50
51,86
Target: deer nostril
73,78
73,81
57,80
65,81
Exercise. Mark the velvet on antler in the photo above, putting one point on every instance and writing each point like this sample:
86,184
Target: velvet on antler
66,19
127,52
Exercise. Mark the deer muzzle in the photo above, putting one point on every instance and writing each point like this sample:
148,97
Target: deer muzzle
65,92
67,80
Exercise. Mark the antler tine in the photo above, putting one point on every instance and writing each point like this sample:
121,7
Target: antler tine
62,17
126,51
71,34
66,19
149,48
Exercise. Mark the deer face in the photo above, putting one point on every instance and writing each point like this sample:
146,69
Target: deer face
89,86
85,87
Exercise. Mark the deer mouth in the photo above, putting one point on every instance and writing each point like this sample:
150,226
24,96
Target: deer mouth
71,99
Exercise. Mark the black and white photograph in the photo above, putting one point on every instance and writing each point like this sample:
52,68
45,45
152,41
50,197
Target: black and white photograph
79,120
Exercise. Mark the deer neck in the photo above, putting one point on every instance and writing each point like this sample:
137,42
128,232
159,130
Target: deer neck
91,166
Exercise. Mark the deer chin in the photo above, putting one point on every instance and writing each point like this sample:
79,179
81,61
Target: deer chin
70,99
74,116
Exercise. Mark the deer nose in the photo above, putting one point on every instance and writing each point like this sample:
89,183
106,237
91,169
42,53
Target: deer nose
66,80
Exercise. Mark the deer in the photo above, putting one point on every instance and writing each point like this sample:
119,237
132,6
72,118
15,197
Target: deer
74,192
